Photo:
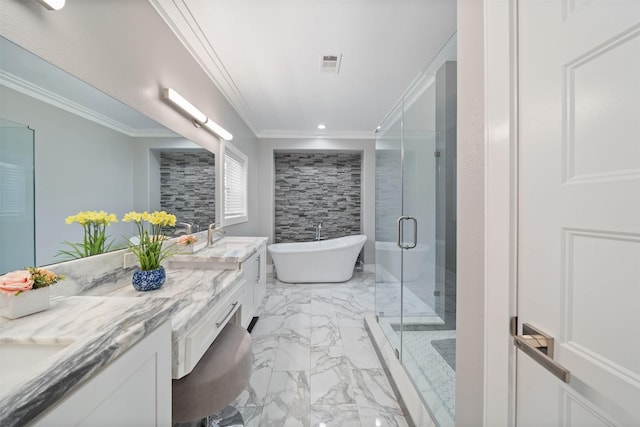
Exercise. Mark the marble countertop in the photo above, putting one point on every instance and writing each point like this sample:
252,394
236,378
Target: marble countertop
229,249
97,331
194,293
105,322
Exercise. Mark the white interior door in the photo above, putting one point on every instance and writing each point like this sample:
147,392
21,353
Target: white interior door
579,209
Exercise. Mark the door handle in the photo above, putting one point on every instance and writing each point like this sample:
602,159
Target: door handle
226,317
539,346
415,232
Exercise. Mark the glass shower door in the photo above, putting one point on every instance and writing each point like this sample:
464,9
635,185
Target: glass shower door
416,233
17,196
388,210
428,336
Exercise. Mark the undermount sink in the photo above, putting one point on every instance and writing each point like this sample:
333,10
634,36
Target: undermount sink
18,361
232,244
189,264
214,257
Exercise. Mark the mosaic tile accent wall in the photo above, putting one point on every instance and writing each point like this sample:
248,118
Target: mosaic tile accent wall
187,186
317,187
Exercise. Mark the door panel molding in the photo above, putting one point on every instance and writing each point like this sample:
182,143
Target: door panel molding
582,77
579,216
577,411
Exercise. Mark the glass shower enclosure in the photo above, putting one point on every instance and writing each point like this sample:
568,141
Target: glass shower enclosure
416,232
17,196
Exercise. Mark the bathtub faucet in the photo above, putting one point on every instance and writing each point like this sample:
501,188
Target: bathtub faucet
319,232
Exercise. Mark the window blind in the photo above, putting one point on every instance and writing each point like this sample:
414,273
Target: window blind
234,185
12,188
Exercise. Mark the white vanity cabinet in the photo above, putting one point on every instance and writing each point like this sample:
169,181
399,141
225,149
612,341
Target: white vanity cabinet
195,342
135,389
254,272
244,254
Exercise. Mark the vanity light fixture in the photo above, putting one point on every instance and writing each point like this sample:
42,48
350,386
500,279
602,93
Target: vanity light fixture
199,118
52,4
322,126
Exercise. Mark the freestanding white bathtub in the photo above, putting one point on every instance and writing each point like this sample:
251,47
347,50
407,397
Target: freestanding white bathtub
327,261
389,262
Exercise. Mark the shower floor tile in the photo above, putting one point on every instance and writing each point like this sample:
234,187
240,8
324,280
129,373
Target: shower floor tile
435,378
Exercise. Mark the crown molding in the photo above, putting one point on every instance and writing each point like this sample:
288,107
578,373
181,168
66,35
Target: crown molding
27,88
180,20
154,133
288,134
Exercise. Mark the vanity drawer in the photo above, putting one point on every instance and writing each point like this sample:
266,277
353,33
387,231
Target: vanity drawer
199,339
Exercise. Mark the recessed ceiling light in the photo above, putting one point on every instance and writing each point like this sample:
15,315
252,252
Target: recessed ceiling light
322,126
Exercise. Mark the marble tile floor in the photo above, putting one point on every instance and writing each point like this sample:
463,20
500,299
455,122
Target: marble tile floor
314,364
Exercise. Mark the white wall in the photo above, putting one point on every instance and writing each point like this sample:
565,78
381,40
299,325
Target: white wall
266,176
79,166
470,240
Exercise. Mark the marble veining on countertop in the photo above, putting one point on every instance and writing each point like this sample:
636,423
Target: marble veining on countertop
193,293
229,249
97,329
108,317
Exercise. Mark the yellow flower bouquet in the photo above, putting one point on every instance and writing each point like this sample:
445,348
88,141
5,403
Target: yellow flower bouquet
95,239
149,249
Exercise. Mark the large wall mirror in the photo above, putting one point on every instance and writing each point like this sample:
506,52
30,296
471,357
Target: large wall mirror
66,147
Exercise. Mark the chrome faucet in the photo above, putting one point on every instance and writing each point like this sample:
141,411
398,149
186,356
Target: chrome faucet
319,232
184,225
211,231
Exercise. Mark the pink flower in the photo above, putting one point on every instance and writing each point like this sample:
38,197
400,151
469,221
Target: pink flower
186,239
16,281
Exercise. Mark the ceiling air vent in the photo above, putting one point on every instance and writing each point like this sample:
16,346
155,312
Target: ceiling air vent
330,63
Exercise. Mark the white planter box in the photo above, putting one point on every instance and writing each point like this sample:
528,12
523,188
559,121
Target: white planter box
24,304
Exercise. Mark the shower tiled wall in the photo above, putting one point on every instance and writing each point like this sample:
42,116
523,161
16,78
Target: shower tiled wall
187,186
388,193
317,187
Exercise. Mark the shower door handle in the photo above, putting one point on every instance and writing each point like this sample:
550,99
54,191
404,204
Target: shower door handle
415,232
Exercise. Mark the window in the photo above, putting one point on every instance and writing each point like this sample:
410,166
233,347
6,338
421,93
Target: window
234,206
12,188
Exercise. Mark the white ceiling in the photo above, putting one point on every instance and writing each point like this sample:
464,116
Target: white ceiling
264,55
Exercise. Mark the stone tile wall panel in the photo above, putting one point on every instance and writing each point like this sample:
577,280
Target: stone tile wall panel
317,187
187,186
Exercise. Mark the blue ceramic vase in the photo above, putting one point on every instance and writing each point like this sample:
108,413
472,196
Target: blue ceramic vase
148,280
